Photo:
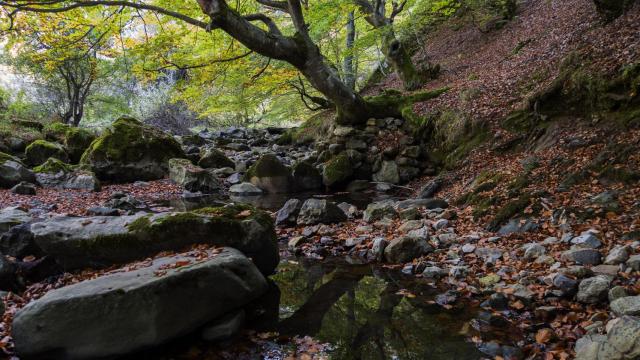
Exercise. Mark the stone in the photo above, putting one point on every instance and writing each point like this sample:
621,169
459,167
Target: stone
306,177
405,249
297,241
103,211
582,256
441,224
617,255
288,214
628,305
24,188
131,151
102,241
40,150
586,240
12,216
270,175
433,272
343,131
18,242
379,210
533,251
430,189
338,171
378,247
57,175
350,210
608,270
410,214
13,172
634,262
617,292
8,275
489,280
212,158
468,248
593,290
245,189
76,141
224,327
518,226
316,211
388,173
565,284
621,342
193,178
489,255
128,311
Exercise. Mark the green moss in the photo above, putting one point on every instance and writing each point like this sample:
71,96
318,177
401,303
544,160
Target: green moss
619,174
77,140
6,157
338,170
267,166
53,166
40,150
393,103
141,224
56,131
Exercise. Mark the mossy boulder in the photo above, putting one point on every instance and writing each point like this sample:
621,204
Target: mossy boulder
103,241
193,178
130,151
215,159
56,131
270,175
13,171
40,150
306,177
77,141
338,171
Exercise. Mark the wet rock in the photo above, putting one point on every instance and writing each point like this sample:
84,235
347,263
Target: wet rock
288,214
434,272
379,210
582,256
628,305
593,290
24,188
316,211
446,298
405,249
497,301
132,310
106,240
617,255
215,159
131,151
245,189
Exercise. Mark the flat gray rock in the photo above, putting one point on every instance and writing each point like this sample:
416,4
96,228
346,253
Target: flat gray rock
124,312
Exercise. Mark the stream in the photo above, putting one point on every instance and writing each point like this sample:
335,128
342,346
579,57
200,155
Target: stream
353,310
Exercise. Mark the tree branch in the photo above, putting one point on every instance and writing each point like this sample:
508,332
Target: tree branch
274,4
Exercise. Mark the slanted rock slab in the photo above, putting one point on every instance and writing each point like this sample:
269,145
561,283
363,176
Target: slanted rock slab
123,312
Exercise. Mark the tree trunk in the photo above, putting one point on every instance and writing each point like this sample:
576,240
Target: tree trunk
349,71
398,57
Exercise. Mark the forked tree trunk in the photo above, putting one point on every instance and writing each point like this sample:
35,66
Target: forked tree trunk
398,57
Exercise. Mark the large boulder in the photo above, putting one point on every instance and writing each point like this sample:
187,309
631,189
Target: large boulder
215,159
316,211
193,178
380,210
123,312
270,175
337,171
621,342
306,177
39,151
102,241
58,175
13,171
131,151
77,141
388,173
288,214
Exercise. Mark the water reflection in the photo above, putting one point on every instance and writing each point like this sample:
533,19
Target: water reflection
361,311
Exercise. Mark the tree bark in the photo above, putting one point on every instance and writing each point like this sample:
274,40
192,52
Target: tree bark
398,57
348,67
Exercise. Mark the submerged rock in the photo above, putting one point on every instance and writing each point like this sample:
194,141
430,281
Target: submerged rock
120,313
102,241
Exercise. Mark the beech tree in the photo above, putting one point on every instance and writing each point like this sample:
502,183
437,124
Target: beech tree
256,31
